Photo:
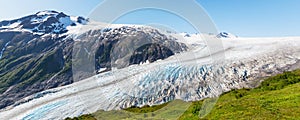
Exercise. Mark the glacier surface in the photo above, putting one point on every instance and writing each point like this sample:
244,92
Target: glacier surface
246,62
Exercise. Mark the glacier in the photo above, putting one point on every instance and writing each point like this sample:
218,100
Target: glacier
247,61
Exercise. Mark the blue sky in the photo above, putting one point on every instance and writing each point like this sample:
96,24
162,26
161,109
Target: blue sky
256,18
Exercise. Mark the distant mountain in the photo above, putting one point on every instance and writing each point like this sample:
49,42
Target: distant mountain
226,35
36,50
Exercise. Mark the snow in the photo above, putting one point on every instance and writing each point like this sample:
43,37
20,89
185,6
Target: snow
3,49
193,40
66,21
73,18
190,71
47,13
39,19
147,62
93,25
43,16
226,35
11,26
102,70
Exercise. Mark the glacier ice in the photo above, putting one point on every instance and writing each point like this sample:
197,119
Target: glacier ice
247,61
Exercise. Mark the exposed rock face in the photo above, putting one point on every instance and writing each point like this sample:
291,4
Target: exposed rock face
36,51
119,47
150,53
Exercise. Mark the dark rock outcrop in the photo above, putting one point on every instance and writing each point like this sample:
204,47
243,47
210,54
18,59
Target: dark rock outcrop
150,53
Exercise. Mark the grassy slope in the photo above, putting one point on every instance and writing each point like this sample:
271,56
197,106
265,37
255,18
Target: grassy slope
278,97
83,117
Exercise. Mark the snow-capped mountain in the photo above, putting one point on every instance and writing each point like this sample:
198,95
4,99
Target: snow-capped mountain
36,79
43,22
226,35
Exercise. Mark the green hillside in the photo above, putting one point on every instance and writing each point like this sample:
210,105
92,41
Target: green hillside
277,97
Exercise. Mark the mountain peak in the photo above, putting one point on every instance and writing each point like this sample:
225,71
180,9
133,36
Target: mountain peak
46,12
43,22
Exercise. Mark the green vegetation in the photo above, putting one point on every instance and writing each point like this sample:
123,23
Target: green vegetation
171,110
30,72
146,109
83,117
277,97
280,81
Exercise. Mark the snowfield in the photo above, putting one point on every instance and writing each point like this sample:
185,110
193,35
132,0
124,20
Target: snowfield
187,76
